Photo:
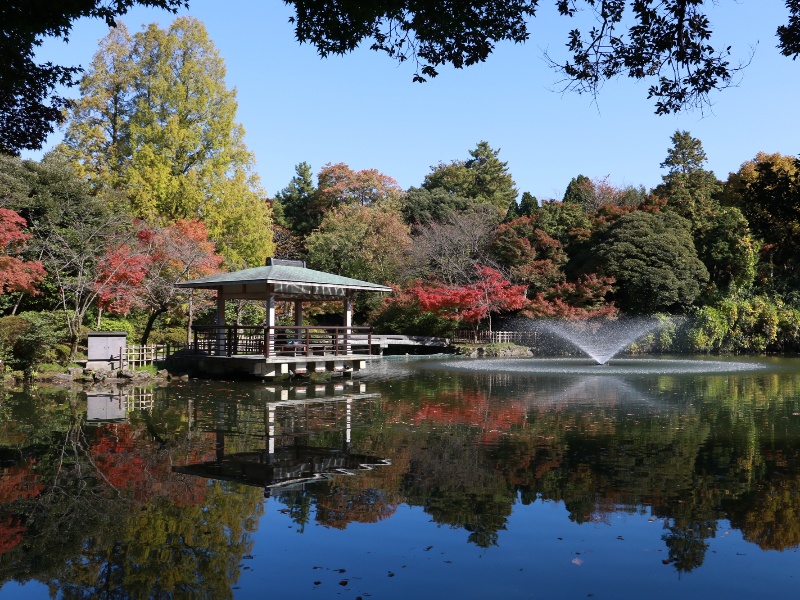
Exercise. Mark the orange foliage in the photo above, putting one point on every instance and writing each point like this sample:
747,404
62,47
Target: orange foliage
143,471
19,482
11,531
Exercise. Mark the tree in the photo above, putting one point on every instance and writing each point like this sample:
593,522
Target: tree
663,40
528,205
401,313
573,301
16,274
563,221
296,201
339,184
29,99
687,186
722,236
767,191
143,274
483,178
654,262
529,254
580,190
728,249
364,242
98,136
70,227
666,41
421,206
156,118
448,251
474,302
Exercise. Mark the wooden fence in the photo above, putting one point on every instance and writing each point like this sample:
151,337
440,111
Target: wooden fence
139,356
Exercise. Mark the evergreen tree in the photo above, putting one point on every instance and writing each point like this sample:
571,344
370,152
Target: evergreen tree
687,186
296,201
580,190
482,178
654,261
513,211
528,205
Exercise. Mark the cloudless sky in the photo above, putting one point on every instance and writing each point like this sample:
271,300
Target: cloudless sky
364,110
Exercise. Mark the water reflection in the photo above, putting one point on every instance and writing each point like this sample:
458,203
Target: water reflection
270,444
135,490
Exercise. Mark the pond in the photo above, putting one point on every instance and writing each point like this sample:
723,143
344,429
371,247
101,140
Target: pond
415,479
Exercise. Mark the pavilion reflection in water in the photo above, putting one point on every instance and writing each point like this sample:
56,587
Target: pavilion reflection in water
296,436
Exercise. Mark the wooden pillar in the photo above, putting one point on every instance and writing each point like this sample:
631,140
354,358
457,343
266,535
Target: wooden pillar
220,324
298,313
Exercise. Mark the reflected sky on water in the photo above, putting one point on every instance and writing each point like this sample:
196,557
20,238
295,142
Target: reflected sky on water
413,479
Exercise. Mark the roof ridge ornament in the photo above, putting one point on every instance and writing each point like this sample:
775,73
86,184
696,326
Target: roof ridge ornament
284,262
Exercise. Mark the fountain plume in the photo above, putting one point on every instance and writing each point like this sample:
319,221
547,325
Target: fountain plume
602,340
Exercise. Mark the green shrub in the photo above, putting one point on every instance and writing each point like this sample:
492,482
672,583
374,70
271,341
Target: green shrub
28,340
736,325
175,336
118,324
408,319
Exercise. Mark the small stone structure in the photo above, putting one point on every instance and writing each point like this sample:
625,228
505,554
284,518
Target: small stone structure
106,349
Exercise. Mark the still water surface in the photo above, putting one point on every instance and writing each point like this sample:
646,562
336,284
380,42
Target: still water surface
410,481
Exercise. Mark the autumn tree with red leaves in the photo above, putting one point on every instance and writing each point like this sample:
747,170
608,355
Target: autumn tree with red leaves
573,301
339,184
474,302
16,274
142,274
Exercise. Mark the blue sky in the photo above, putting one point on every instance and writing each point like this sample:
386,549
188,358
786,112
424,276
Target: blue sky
364,110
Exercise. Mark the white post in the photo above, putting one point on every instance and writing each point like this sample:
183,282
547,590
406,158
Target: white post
271,432
348,324
270,306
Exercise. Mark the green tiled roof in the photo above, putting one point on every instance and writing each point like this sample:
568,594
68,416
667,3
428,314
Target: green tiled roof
282,274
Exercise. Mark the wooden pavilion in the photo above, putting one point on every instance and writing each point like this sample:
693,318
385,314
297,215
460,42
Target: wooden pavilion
268,350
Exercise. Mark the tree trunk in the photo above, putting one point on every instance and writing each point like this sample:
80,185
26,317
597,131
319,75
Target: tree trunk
16,304
150,321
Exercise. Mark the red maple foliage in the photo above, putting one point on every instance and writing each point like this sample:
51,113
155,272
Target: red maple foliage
16,274
474,302
19,482
573,301
142,274
11,530
473,409
134,466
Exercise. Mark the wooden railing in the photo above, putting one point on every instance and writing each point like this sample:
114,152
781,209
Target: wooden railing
280,341
523,338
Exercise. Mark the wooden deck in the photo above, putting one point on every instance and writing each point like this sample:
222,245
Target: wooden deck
275,351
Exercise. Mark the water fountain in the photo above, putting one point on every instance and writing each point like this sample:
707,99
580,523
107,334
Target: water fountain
602,341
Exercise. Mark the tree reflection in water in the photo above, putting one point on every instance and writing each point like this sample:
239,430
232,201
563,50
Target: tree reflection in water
101,507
